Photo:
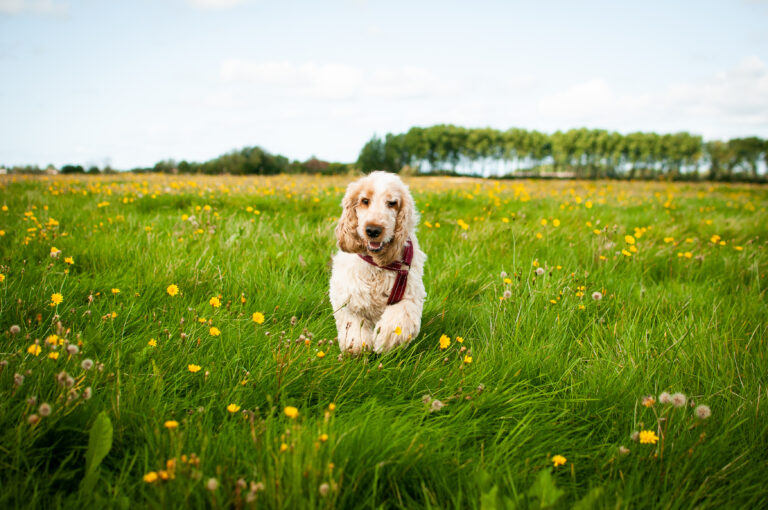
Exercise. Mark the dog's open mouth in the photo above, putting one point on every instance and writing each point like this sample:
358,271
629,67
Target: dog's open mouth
374,246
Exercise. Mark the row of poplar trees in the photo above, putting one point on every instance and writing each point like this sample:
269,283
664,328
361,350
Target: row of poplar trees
577,152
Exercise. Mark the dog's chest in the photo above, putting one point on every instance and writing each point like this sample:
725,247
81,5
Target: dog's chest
369,297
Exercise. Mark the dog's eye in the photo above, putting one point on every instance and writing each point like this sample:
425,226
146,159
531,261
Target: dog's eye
391,203
364,201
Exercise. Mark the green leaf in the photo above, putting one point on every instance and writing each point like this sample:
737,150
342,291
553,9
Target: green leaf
545,490
588,502
99,444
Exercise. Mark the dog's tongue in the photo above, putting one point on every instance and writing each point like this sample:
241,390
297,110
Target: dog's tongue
374,245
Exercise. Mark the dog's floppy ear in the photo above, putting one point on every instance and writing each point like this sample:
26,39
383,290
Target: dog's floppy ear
406,217
346,230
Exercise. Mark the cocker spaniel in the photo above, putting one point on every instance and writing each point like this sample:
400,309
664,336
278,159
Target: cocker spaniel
376,290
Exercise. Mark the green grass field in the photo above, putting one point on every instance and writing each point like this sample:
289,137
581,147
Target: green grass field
545,369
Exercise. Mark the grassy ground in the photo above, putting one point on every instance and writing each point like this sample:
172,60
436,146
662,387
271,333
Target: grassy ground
544,369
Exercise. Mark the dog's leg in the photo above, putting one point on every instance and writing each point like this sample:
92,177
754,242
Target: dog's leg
405,315
354,333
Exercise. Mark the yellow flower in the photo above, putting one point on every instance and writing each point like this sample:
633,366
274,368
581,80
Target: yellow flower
56,299
445,341
53,355
150,477
668,239
258,318
505,220
648,437
556,222
321,354
398,331
558,460
283,447
233,408
34,349
629,239
460,339
626,253
323,438
544,222
467,359
242,298
69,260
214,331
737,248
291,412
152,342
215,302
172,290
115,291
507,281
687,254
539,235
193,368
2,277
331,406
171,424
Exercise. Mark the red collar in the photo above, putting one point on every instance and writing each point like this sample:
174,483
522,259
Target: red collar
398,289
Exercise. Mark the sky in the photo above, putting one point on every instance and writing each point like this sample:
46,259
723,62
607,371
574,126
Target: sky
132,82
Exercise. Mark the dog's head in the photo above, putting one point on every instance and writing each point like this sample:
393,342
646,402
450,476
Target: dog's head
378,217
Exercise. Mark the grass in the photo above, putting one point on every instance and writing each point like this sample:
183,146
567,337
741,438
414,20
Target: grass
553,371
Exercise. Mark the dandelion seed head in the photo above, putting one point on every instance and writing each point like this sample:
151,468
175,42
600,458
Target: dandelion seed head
703,412
679,400
44,409
665,398
539,271
212,484
597,296
15,329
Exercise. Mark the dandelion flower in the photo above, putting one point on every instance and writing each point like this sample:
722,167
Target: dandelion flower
398,331
115,291
291,412
233,408
649,401
52,355
283,447
34,349
193,368
558,460
679,400
56,299
214,331
331,407
629,239
151,477
214,302
321,354
467,359
152,342
258,318
171,424
323,438
445,341
69,260
648,437
172,290
702,412
460,339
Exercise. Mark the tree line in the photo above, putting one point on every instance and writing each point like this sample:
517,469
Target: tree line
584,153
488,152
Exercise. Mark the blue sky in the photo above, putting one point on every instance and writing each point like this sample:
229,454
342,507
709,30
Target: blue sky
133,82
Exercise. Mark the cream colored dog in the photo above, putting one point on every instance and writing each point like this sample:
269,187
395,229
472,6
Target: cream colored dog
379,261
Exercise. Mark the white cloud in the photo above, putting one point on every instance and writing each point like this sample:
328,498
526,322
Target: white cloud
215,4
45,7
334,81
728,103
592,102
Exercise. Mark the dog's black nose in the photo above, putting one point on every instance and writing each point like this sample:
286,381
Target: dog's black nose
373,232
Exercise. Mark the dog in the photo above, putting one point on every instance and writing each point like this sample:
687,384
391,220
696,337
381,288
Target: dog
376,288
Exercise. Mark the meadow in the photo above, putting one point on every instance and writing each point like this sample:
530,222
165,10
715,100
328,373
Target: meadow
168,342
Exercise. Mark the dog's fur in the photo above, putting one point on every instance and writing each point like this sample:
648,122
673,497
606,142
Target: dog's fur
359,290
